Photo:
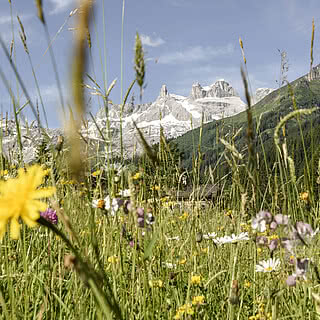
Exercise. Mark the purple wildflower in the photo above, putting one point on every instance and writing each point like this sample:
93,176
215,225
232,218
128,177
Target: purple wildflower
140,214
273,244
260,221
50,215
281,219
291,280
127,206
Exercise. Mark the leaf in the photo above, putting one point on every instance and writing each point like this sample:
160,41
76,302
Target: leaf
152,243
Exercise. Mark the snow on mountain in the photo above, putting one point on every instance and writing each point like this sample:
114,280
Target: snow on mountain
260,94
176,114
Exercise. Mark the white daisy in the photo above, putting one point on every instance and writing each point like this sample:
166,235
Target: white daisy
173,238
125,193
268,266
209,236
169,265
112,205
109,204
232,239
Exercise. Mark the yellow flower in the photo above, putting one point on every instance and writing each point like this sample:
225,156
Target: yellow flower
182,261
273,237
205,250
113,259
247,284
304,196
156,283
189,310
195,279
184,216
136,176
47,171
96,173
259,250
19,199
101,204
228,213
198,300
3,172
185,309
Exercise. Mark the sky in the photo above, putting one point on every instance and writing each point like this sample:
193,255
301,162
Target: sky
185,41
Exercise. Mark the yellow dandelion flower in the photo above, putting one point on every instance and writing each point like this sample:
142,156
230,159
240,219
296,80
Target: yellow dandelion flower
96,173
259,250
183,216
46,171
19,199
198,300
273,237
228,213
182,261
189,310
196,280
304,196
156,283
113,259
137,176
247,284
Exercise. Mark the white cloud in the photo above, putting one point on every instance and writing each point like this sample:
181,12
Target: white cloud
60,5
6,27
195,54
148,41
5,19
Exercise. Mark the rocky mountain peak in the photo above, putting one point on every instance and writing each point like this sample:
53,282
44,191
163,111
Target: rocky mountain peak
164,92
314,73
219,89
260,94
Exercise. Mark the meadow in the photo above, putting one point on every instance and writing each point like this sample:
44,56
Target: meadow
85,237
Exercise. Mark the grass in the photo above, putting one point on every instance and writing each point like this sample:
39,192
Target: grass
152,255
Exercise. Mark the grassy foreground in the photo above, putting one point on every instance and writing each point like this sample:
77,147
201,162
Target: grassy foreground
114,242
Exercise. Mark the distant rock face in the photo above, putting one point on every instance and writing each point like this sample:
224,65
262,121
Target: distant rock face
164,91
260,94
31,138
314,74
219,89
174,113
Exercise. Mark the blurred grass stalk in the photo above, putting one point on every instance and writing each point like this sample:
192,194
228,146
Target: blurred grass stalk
78,70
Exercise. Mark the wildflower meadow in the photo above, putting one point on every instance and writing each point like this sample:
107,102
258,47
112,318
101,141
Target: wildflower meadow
91,237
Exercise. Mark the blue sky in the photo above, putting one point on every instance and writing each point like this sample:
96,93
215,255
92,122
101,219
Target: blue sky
185,41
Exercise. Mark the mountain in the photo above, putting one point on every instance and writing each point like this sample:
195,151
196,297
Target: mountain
260,94
267,113
31,137
176,114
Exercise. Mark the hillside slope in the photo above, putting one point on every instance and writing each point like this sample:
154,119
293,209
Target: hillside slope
267,113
